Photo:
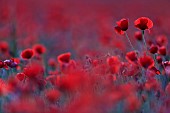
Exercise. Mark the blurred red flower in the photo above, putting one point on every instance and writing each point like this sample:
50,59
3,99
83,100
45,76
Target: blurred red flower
131,56
146,61
162,40
4,47
20,76
138,35
52,95
39,49
162,50
27,54
153,49
64,58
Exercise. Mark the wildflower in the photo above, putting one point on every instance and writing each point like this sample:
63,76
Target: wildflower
162,51
52,95
64,58
131,56
153,49
39,49
143,23
4,47
159,59
161,40
118,30
114,64
122,26
146,61
138,35
20,76
27,54
1,64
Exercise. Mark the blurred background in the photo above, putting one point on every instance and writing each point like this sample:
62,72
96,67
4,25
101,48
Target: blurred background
77,26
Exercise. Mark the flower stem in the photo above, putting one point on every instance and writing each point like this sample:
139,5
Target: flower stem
129,41
144,41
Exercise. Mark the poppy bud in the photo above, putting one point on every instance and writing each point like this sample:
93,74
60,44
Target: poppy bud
138,35
153,49
162,51
159,59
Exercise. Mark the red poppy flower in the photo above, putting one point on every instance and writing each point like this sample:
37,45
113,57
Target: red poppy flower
4,47
114,64
64,58
138,35
153,49
159,59
146,61
123,24
52,62
113,60
27,54
33,71
162,40
143,23
2,64
40,49
118,30
20,76
131,56
52,95
162,51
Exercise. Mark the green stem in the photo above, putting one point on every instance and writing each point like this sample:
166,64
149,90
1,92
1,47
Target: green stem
144,41
129,40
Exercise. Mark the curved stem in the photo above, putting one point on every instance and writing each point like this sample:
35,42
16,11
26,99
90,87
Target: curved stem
129,41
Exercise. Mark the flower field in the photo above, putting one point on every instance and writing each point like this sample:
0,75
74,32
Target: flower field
77,56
